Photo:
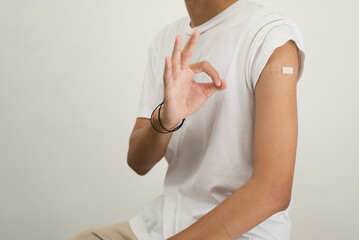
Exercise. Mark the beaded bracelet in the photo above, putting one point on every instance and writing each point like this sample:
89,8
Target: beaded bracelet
168,131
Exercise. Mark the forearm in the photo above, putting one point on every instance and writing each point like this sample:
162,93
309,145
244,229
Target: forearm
237,214
147,146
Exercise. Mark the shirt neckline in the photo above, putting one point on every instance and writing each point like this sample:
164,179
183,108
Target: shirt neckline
213,21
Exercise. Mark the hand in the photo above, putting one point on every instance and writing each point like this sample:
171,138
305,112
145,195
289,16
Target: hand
182,95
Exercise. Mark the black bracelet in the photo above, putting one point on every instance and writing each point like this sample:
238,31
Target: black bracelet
168,131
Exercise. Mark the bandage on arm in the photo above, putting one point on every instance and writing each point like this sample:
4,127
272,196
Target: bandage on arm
279,70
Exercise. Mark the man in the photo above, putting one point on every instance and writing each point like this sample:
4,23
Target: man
231,162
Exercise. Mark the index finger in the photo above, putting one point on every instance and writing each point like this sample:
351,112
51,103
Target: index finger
188,49
204,66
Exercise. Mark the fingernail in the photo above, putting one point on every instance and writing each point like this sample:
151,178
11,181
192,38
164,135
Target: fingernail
219,83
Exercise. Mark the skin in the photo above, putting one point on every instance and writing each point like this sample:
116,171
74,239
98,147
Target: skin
201,11
274,145
181,93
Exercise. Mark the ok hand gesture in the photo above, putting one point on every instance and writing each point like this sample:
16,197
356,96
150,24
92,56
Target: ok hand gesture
182,95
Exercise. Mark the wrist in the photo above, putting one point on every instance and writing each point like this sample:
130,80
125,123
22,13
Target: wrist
157,123
165,121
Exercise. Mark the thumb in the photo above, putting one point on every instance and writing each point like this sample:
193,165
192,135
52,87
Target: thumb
223,85
211,86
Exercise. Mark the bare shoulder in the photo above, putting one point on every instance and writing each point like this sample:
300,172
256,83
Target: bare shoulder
285,55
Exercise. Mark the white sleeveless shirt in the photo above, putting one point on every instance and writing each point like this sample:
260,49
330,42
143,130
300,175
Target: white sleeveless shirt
210,156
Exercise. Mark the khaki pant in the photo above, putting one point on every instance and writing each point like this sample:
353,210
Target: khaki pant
118,231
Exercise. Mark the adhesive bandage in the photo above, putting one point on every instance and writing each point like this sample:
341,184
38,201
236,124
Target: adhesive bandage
284,70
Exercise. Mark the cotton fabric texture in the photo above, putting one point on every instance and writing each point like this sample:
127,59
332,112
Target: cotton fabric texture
210,156
118,231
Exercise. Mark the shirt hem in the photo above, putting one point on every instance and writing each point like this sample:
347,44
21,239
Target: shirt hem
137,228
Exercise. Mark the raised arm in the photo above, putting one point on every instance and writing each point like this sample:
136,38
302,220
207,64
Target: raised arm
182,97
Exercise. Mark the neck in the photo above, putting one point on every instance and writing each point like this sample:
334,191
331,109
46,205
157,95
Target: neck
200,11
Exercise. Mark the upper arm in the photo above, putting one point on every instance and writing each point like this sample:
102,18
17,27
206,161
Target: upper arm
276,124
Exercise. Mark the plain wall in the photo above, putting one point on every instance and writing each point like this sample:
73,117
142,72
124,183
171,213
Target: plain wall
70,79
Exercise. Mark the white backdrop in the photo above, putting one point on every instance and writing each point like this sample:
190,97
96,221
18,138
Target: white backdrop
70,79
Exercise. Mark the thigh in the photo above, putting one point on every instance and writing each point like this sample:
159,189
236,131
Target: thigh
118,231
